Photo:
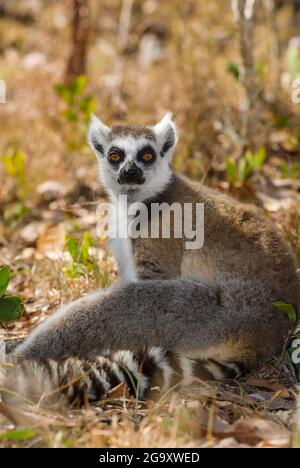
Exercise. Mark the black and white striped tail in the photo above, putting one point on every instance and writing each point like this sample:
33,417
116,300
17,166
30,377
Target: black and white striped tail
88,381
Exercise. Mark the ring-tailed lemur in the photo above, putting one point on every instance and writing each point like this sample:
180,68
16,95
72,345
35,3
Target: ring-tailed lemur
178,312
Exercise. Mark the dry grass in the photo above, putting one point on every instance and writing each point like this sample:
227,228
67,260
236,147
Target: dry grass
196,43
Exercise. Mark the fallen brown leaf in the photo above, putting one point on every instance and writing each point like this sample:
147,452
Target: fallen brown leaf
272,386
254,431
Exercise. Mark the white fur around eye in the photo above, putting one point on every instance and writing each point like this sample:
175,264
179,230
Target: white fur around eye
157,175
131,146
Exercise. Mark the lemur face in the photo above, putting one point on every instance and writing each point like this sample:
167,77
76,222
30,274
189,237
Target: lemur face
134,160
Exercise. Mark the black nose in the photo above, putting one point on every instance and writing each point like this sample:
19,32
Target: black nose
131,174
131,170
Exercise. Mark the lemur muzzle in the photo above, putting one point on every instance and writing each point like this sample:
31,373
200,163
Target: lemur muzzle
131,174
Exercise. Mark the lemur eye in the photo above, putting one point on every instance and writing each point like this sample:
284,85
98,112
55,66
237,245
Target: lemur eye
147,157
115,157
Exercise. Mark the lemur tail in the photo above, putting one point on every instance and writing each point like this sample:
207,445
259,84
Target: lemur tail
87,381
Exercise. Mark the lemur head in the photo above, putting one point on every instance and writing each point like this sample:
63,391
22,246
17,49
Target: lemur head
134,160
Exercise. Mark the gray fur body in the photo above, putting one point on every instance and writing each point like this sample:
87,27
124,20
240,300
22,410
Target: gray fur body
215,303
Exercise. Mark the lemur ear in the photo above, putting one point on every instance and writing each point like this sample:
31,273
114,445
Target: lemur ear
166,134
98,133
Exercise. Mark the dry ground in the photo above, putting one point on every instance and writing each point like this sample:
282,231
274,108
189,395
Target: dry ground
185,71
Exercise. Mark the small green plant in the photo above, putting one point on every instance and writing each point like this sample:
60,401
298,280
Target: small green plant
248,165
14,213
290,171
18,436
78,107
14,163
11,307
234,70
282,121
288,309
82,261
15,208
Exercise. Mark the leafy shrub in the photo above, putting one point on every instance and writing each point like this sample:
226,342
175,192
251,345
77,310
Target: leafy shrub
78,109
84,262
291,171
14,163
11,307
246,167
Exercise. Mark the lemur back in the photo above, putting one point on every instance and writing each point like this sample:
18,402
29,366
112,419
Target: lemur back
178,313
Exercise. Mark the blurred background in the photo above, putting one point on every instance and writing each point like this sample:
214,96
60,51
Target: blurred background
230,73
228,70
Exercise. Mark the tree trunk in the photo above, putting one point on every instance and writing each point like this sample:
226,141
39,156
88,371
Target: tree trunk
124,23
80,32
244,12
295,4
271,10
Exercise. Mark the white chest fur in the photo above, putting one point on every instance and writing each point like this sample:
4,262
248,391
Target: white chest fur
121,244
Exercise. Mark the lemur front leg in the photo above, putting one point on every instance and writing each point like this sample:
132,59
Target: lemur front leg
177,315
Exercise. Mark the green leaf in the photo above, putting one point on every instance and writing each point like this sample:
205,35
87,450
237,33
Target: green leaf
244,169
231,170
17,435
11,308
260,68
260,158
87,105
64,92
85,248
73,248
4,279
70,115
14,298
234,70
19,159
282,121
78,86
105,279
15,212
14,164
287,309
291,170
8,165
